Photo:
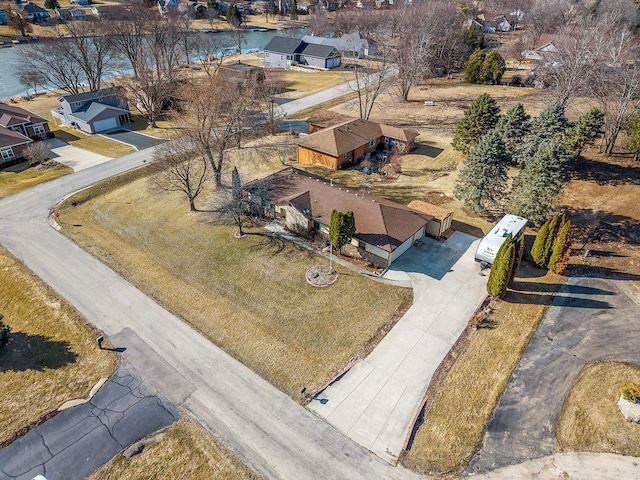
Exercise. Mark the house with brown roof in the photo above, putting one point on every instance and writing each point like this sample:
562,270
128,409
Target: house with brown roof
321,119
18,128
384,229
352,141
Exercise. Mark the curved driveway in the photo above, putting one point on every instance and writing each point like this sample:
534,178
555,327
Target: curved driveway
269,431
590,320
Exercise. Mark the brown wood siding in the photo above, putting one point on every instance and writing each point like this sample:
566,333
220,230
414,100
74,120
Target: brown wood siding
306,156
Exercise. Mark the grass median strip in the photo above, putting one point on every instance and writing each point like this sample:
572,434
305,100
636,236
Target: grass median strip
590,420
187,451
248,295
52,356
453,429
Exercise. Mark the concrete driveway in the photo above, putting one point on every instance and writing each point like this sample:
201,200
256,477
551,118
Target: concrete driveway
74,157
375,402
590,320
136,140
77,441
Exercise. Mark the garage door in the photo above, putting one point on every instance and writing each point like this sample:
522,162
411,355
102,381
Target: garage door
102,125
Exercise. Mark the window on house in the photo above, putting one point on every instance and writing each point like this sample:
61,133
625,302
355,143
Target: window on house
316,225
372,143
77,104
386,140
38,129
7,153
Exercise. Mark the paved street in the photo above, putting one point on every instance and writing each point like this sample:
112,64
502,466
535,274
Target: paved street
77,441
590,320
375,402
269,431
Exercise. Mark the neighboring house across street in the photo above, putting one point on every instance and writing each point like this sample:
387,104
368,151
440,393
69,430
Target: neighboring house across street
349,45
286,52
33,12
93,112
352,141
384,229
18,128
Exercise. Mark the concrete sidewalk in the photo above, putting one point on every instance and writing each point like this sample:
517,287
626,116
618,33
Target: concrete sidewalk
375,402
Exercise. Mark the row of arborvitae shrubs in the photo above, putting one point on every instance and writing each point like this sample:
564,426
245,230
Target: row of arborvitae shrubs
552,244
505,266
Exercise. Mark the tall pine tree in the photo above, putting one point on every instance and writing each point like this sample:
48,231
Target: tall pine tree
514,126
483,178
538,185
499,276
481,117
554,225
493,67
587,129
473,66
549,125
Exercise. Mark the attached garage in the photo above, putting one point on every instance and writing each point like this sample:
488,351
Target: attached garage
106,124
441,221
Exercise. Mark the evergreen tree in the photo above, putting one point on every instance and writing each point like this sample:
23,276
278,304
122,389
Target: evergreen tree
473,66
481,117
514,126
473,38
632,140
483,178
538,185
561,245
587,129
236,184
537,250
51,4
550,124
500,269
554,224
519,252
342,228
234,16
294,10
493,67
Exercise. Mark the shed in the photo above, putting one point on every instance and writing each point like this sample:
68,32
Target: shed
442,217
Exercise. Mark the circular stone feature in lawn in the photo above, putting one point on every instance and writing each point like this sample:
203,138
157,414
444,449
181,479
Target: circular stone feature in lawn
321,276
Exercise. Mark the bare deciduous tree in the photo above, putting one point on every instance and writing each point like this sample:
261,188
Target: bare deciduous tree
46,58
177,169
208,48
37,152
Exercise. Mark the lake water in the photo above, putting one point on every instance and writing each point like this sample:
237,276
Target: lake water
9,57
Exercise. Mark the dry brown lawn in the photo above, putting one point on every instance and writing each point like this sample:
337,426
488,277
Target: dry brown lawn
21,176
187,451
52,356
590,420
452,431
249,295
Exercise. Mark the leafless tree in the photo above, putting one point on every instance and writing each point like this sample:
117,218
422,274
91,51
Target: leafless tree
370,83
30,78
47,58
177,169
128,31
266,90
89,48
37,152
209,48
16,21
238,35
547,16
215,114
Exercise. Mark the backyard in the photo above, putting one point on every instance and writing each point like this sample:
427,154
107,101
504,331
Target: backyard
248,295
52,356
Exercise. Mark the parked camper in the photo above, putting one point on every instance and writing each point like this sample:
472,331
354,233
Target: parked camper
492,241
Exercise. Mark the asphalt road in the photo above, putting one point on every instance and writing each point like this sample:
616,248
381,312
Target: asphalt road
77,441
269,431
136,140
590,320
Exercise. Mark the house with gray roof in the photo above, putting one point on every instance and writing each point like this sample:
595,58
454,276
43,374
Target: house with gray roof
93,112
33,12
349,45
285,52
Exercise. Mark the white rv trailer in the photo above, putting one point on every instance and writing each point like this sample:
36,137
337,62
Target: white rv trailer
492,241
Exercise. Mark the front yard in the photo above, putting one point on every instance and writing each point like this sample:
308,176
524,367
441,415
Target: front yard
21,176
52,356
249,295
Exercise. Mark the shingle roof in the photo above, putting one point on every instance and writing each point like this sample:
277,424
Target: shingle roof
92,95
326,118
95,111
9,138
319,51
352,134
430,209
285,45
379,222
10,115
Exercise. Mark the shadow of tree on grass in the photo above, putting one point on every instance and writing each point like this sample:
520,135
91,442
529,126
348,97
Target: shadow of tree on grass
35,352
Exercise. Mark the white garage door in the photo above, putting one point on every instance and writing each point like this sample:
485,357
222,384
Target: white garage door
102,125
